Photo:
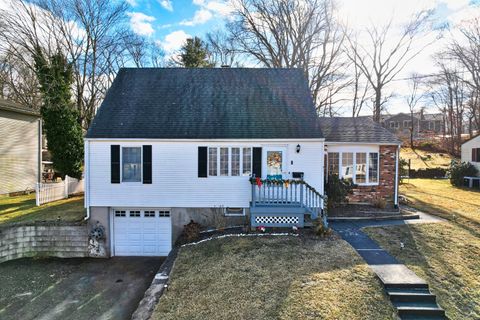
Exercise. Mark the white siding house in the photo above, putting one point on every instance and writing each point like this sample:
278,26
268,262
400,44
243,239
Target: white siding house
174,174
20,148
471,151
242,146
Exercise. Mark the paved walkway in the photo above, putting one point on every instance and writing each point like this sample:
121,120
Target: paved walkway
388,269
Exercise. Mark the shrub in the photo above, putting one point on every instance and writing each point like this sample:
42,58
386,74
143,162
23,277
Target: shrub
379,202
320,229
459,170
191,231
337,190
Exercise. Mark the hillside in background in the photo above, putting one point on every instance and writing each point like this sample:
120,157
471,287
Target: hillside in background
421,159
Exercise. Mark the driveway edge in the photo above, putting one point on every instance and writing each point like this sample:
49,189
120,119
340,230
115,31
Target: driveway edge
157,287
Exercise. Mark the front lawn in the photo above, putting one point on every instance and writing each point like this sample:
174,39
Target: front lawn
22,209
439,197
444,254
447,255
272,278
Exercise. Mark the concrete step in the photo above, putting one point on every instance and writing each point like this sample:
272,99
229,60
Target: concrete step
412,297
416,317
417,286
419,309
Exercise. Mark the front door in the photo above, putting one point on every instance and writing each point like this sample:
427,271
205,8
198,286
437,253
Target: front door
276,162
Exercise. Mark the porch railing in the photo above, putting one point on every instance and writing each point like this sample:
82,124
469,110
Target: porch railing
287,193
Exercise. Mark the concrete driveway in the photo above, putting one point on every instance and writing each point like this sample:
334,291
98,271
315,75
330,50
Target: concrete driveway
74,288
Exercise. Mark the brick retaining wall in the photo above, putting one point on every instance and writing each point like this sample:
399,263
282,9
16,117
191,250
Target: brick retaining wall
43,241
386,187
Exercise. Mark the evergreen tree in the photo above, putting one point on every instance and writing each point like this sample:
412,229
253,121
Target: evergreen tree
194,54
60,117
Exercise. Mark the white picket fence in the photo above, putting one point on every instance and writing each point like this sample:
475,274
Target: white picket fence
48,192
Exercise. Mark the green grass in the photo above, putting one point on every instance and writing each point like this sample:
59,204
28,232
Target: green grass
446,254
22,209
272,278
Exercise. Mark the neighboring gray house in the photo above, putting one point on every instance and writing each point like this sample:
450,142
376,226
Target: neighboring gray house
422,124
20,147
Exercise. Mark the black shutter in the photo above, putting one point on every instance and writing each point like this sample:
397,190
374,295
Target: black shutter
147,164
257,162
474,155
202,162
115,164
478,154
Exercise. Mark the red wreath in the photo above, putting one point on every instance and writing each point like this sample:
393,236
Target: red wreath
258,181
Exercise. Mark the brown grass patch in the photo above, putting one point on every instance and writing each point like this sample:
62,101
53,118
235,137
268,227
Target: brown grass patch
444,254
272,278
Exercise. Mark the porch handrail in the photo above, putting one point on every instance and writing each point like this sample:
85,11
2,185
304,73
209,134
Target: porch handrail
288,193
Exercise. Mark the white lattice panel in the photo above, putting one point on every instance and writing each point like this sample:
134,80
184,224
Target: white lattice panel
276,220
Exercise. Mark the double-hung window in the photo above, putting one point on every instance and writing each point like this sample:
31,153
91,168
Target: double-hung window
229,161
212,162
360,167
131,164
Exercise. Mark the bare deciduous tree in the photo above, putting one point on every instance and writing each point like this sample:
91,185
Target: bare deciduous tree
449,93
412,101
222,49
293,34
94,35
382,56
465,50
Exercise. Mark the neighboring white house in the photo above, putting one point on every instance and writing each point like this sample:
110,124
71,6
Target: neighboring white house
168,146
20,148
471,151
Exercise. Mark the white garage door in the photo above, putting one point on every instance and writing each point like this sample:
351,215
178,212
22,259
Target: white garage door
142,232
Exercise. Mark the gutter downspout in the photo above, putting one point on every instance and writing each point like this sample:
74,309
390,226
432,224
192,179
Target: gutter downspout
87,178
397,181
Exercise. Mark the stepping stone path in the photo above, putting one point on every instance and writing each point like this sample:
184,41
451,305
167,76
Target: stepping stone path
408,293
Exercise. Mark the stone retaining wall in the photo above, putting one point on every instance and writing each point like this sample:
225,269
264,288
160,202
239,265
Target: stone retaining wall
43,241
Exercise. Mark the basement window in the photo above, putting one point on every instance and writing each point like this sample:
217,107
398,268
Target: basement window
234,212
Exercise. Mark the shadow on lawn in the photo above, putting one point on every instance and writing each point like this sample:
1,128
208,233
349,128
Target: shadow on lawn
18,206
469,225
72,210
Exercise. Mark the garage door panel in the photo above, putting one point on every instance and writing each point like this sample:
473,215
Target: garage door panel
144,234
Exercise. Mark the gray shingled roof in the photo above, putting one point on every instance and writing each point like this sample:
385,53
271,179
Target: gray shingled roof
357,130
209,103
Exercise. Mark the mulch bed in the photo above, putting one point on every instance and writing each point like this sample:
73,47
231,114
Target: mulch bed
362,210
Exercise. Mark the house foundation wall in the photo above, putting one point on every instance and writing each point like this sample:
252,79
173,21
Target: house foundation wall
386,187
208,218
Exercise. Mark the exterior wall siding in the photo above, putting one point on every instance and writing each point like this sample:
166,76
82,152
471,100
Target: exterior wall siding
175,177
467,151
19,160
